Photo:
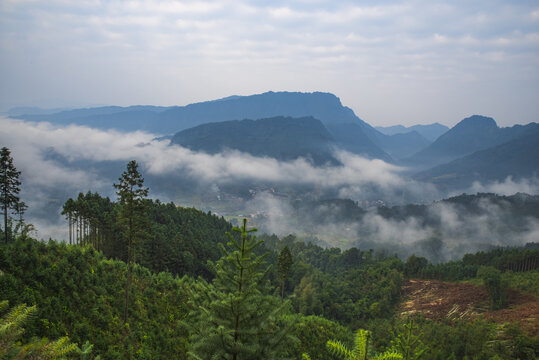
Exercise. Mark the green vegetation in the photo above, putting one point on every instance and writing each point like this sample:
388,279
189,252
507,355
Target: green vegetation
9,189
116,289
11,328
236,317
497,291
361,349
78,293
408,342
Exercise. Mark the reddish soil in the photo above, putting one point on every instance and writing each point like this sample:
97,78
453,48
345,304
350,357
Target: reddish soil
439,300
522,308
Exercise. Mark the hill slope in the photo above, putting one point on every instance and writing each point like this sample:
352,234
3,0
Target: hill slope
283,138
468,136
518,158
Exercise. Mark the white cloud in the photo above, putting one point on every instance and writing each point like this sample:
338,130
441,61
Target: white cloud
371,55
508,186
76,143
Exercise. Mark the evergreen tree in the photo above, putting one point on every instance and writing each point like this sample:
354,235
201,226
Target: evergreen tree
408,342
11,329
235,318
496,288
360,350
131,193
284,264
9,186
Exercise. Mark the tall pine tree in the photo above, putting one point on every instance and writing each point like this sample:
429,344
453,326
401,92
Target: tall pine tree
235,317
284,264
9,186
131,217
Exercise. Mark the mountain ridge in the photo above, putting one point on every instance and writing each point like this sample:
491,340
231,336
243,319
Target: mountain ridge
282,138
471,134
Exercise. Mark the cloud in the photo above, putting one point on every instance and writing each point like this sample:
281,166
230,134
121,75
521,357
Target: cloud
444,231
30,141
371,55
57,162
508,186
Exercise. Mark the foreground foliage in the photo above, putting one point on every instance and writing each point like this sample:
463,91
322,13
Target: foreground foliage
235,317
361,349
11,329
80,294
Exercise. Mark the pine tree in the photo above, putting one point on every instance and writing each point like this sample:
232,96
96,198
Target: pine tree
284,264
9,186
360,350
131,218
11,329
235,317
408,342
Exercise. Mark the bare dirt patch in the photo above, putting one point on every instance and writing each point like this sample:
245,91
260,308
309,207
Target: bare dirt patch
438,300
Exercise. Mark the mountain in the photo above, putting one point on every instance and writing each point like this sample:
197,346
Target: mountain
344,125
518,158
352,137
349,130
402,145
430,132
169,120
282,138
323,106
392,130
468,136
396,146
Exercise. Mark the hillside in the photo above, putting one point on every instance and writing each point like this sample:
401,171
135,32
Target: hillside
351,137
518,158
282,138
441,301
468,136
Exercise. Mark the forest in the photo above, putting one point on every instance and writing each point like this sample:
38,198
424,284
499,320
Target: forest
142,279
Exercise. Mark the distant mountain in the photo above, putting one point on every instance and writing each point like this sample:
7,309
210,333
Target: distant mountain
282,138
397,146
169,120
352,137
518,158
32,110
400,146
362,138
430,132
468,136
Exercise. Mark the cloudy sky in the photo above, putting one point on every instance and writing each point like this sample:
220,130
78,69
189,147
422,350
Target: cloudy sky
390,61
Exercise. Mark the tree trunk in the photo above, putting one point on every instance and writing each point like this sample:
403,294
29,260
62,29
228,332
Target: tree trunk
69,222
5,219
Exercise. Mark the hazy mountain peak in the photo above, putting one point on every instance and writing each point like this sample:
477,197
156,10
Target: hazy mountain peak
471,134
477,122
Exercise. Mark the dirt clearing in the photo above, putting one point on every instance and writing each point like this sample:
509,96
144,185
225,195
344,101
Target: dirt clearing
438,300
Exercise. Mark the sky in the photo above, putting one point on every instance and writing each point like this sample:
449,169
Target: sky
392,62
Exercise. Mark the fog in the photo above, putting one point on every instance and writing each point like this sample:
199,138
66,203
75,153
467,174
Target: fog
444,231
59,162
